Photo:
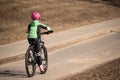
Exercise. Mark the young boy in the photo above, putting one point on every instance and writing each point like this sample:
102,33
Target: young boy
34,35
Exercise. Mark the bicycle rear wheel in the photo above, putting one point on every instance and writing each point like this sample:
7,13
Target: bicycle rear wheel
30,64
44,57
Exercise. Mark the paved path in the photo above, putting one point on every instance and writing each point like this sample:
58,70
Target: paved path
62,37
69,60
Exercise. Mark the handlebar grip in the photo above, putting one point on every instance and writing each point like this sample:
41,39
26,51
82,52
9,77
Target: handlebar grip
51,31
48,32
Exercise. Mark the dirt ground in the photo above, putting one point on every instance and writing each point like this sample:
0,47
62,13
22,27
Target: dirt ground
106,71
58,14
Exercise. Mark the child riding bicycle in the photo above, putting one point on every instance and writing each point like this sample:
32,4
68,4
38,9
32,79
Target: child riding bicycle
34,30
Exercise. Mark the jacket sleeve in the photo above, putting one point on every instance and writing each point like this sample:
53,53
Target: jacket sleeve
28,29
45,27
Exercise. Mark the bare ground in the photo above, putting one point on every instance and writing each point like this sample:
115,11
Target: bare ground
106,71
58,14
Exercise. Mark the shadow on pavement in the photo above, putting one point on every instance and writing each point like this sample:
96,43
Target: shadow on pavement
13,73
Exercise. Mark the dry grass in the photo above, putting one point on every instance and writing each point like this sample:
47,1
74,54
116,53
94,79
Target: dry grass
107,71
59,14
114,2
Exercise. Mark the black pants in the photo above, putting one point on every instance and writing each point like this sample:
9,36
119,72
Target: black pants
36,43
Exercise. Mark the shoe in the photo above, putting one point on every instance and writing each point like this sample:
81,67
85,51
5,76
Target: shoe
41,68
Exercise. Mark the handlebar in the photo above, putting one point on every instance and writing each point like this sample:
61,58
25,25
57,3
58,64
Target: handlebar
47,32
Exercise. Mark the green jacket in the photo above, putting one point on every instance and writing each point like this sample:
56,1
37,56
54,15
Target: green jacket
34,29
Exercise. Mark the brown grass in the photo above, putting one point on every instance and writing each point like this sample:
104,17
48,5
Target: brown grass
59,14
107,71
114,2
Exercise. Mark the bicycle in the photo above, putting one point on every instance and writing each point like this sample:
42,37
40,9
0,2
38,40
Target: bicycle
31,58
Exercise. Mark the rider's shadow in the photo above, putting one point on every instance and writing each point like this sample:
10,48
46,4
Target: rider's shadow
13,73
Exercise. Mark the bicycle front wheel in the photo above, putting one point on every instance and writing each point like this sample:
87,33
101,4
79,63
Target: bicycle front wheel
30,64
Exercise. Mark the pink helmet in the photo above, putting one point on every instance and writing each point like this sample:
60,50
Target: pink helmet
35,16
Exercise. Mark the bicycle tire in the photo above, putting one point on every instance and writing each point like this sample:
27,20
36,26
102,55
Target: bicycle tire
45,58
27,63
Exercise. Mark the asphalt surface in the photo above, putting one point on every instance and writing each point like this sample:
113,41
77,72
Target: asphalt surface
69,60
59,38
